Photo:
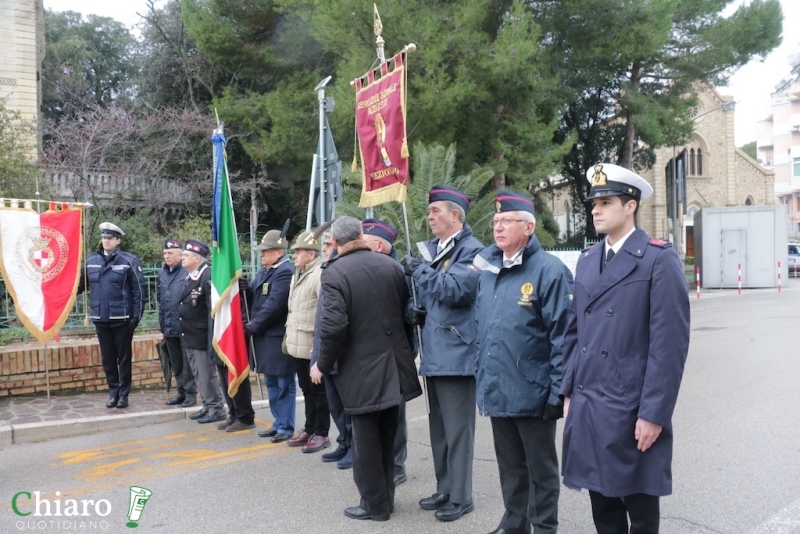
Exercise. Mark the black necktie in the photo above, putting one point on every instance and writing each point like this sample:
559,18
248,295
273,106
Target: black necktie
609,255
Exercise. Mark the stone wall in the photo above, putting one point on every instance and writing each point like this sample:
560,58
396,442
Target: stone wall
74,365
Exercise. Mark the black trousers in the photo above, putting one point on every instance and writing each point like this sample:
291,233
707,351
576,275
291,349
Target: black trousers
240,406
373,458
611,513
526,456
318,417
340,418
115,340
181,369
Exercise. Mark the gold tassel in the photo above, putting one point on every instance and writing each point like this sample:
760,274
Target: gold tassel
354,166
404,150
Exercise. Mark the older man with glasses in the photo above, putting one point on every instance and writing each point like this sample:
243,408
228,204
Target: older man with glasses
524,296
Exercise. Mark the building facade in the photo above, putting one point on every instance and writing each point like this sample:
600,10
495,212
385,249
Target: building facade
778,144
22,50
717,174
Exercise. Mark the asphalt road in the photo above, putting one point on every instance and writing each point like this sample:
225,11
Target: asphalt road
736,469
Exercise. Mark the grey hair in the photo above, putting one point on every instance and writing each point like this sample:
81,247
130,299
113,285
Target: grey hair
527,216
462,216
345,229
202,259
386,245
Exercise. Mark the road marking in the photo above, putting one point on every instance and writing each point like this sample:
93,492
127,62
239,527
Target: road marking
157,456
787,521
77,457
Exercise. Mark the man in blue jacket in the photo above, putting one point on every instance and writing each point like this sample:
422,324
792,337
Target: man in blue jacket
446,289
116,304
268,296
624,354
524,295
170,284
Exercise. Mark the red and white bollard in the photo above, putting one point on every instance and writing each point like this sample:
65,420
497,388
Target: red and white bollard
740,278
697,280
779,277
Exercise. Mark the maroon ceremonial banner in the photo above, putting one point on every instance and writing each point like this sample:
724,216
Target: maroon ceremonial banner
381,129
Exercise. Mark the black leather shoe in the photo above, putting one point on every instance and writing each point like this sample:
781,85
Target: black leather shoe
189,402
279,437
268,433
356,512
112,403
199,413
435,501
226,423
212,417
238,426
336,455
123,402
399,478
452,511
177,399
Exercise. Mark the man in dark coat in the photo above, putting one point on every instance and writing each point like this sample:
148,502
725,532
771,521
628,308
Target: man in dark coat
116,304
380,237
624,352
446,291
194,312
362,329
268,297
524,295
170,284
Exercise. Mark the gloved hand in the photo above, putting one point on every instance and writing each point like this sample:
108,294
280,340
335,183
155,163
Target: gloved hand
410,263
132,324
416,316
244,284
553,412
248,329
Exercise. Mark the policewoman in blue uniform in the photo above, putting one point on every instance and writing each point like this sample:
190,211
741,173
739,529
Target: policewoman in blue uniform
524,296
625,349
116,303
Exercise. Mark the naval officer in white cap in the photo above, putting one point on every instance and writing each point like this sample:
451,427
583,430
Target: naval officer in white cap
624,354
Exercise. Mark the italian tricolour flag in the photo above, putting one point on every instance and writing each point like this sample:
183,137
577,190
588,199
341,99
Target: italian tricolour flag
229,339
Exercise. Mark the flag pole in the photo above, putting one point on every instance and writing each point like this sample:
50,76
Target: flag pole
379,50
46,358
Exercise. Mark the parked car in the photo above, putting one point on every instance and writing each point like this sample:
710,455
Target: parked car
794,259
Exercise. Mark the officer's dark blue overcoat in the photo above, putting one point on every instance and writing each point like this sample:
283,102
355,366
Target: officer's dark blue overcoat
624,351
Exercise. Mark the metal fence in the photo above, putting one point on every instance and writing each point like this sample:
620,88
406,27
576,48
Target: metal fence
11,328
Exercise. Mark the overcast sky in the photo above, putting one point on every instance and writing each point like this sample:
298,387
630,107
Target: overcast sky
751,86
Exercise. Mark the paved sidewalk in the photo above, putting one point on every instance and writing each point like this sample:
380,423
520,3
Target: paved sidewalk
28,419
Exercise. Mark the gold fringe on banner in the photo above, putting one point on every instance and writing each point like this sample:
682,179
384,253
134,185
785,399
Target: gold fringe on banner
394,192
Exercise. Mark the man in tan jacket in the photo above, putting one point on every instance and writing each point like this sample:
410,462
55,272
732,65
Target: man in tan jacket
299,338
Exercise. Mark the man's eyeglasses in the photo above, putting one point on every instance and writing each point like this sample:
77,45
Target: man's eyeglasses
506,222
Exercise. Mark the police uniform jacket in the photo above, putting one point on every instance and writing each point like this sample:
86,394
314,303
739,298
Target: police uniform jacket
362,329
446,288
269,306
194,310
522,314
170,286
116,287
625,351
